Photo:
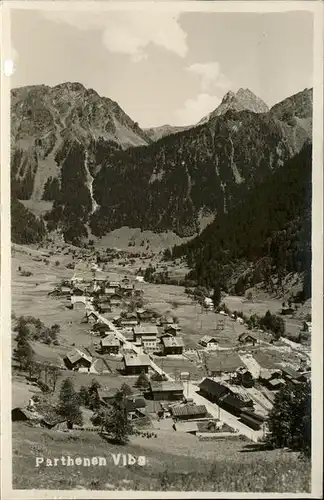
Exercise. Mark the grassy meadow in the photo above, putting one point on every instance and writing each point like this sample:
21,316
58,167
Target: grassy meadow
178,464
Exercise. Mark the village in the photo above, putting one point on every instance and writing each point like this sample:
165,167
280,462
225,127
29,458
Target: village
221,385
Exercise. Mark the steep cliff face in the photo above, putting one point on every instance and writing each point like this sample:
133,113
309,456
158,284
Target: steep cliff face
83,153
47,120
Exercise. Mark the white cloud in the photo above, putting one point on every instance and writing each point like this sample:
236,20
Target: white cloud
195,109
128,32
210,76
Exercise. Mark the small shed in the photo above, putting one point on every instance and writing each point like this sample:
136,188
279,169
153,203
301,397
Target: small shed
174,329
247,338
23,415
188,411
208,341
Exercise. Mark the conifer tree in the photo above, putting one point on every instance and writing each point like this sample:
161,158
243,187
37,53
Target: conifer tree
24,354
94,399
290,418
69,404
142,381
84,396
116,422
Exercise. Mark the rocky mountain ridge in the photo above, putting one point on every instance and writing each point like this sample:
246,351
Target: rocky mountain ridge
100,170
45,120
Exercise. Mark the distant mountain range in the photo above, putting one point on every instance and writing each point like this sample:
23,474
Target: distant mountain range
100,170
156,133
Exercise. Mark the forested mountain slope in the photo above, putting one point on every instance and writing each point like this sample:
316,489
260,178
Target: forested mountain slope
270,229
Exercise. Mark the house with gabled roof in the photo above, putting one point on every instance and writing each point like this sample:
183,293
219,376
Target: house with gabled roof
247,338
212,390
208,341
144,315
110,344
101,327
135,364
141,331
77,359
166,321
166,391
233,404
172,345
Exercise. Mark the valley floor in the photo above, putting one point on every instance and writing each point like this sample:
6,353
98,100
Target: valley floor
230,464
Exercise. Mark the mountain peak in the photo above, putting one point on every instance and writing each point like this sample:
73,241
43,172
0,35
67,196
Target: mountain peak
229,96
243,99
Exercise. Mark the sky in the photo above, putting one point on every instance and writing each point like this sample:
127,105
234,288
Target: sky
165,67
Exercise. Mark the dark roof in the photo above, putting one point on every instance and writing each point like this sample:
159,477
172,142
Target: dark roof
101,326
246,336
233,401
207,338
29,415
254,415
76,355
250,421
290,372
134,403
188,409
213,387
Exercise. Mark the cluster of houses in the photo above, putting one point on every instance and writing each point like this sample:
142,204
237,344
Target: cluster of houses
211,343
105,293
165,400
276,378
232,401
159,338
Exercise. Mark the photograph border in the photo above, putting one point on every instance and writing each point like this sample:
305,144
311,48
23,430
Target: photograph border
317,8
